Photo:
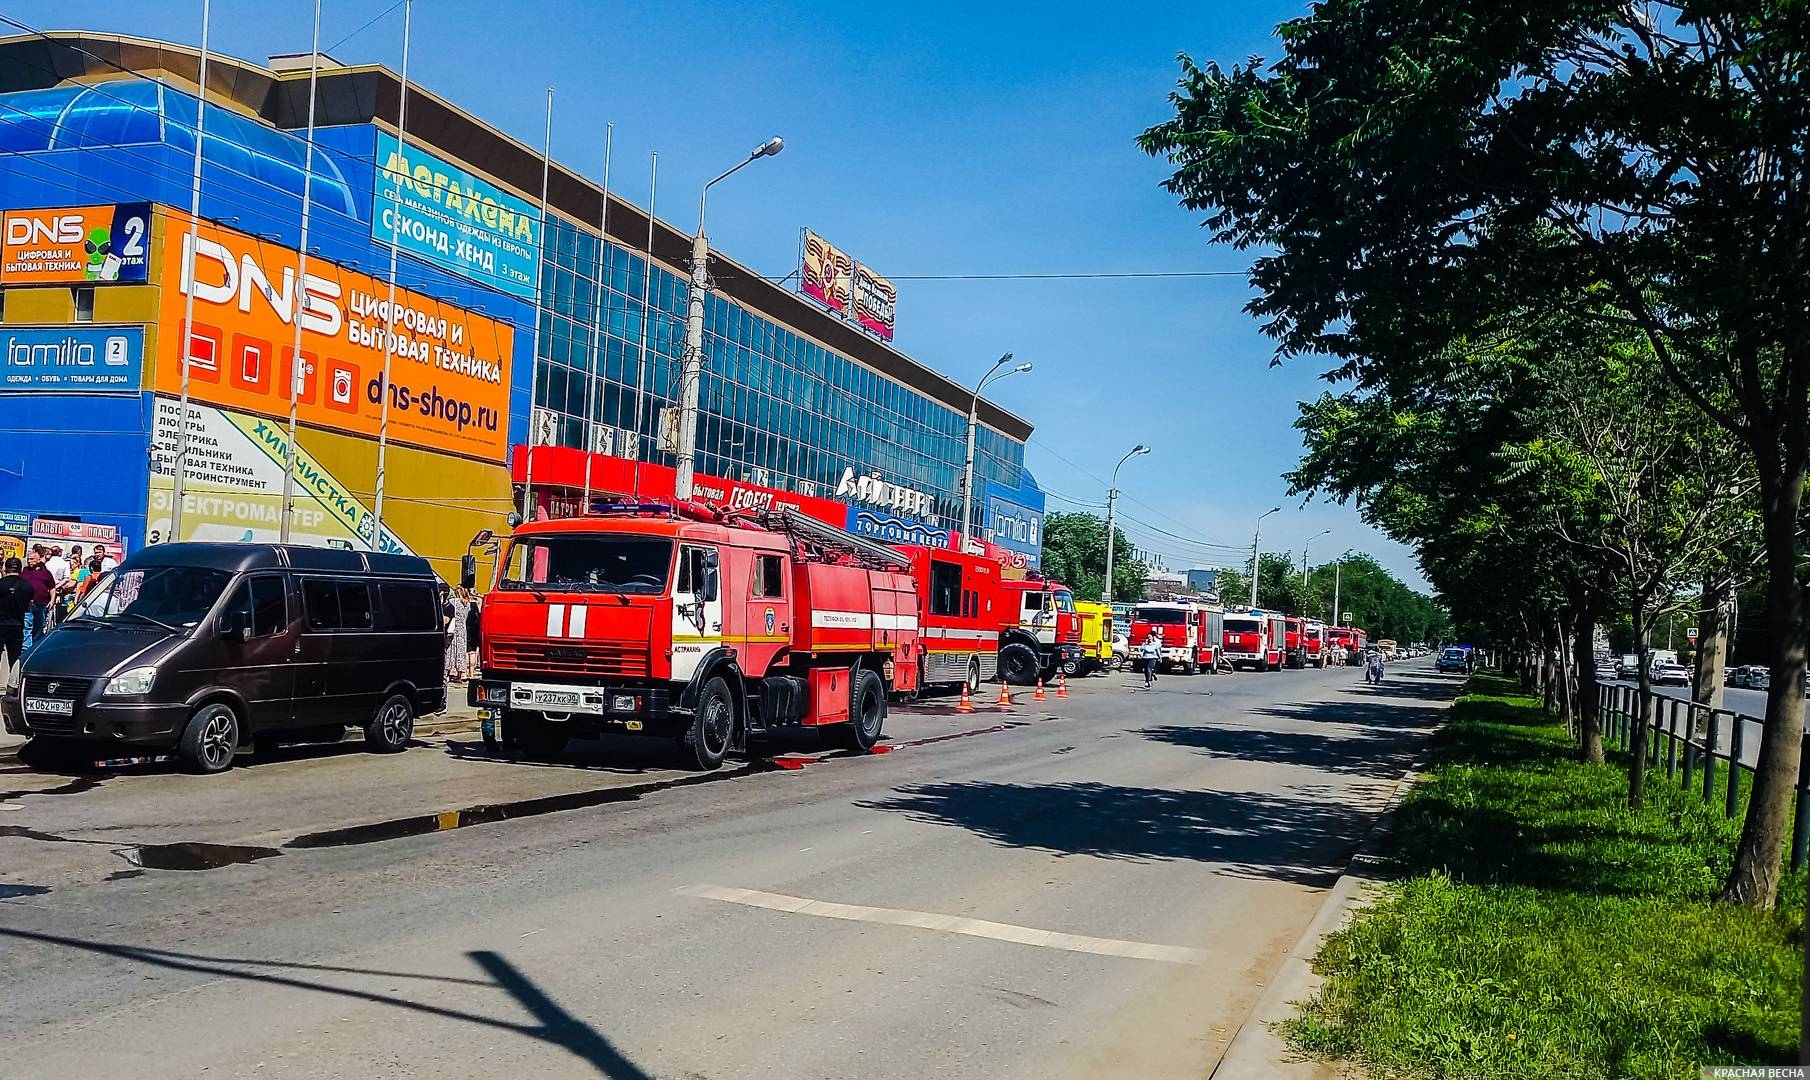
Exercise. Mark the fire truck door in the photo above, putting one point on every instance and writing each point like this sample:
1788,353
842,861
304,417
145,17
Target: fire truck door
768,626
697,609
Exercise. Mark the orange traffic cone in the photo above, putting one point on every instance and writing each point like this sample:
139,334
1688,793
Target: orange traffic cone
1039,695
966,705
1005,694
1061,685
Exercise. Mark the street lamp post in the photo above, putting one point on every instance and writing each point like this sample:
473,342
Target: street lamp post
1304,543
691,364
1255,537
1112,505
968,468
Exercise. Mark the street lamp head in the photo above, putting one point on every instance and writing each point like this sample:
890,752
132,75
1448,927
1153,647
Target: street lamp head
1140,449
769,148
1022,367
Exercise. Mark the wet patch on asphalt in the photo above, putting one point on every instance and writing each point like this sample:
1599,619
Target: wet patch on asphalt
193,856
10,892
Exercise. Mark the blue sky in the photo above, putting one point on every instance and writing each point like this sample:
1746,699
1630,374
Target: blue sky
924,139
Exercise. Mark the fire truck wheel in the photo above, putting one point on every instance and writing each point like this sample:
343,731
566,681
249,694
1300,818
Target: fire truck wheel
1018,664
1193,668
707,739
866,712
974,675
533,736
1071,668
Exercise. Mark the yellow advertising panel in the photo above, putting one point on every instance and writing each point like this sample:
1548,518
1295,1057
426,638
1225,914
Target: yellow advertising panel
449,385
233,489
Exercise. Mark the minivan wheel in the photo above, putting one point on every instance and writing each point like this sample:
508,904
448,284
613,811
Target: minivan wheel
390,730
210,740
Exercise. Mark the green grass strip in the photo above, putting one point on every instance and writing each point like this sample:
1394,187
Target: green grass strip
1533,927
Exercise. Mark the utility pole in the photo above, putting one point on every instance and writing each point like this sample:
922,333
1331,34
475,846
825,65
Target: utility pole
1255,538
691,365
1304,544
1112,503
1338,566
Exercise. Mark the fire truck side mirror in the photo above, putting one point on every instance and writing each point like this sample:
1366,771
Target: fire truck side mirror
707,589
468,571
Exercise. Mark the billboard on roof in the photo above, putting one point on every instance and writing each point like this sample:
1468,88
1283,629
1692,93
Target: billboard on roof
454,218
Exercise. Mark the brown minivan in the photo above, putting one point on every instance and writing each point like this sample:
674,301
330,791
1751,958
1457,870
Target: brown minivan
201,648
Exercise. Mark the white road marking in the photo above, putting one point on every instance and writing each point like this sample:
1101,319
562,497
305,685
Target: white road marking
953,924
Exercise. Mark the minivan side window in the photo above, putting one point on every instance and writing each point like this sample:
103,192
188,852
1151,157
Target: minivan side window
336,604
263,603
407,606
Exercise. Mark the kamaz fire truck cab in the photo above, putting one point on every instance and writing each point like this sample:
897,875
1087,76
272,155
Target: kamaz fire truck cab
1316,643
709,628
1190,633
1254,639
1044,635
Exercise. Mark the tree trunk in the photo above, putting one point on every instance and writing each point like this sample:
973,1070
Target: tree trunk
1754,879
1637,740
1589,700
1566,686
1713,623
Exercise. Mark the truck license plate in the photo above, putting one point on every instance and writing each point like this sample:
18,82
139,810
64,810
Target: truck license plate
556,697
50,706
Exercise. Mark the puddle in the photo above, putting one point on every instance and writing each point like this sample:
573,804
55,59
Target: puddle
75,786
421,824
193,856
7,892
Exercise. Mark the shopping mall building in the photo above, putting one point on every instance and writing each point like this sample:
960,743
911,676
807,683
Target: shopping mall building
799,406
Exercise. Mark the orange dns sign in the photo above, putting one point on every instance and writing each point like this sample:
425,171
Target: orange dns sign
449,368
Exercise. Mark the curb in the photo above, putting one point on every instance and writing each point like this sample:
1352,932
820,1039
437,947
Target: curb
1256,1052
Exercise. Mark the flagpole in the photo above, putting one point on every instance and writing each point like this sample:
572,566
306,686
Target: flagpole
546,165
188,301
647,280
389,320
603,269
297,368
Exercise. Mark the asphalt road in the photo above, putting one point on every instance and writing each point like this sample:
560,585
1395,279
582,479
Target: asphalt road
1092,887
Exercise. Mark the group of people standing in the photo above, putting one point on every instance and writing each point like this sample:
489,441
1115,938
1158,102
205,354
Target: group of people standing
40,590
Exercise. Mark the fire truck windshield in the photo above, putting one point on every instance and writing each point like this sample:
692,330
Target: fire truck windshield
1162,615
585,561
1241,626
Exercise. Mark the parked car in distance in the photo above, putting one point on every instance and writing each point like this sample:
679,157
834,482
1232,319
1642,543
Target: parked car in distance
1668,673
1452,660
1607,670
1756,677
202,649
1629,665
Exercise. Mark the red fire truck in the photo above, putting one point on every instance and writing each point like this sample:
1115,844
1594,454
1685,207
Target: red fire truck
1316,643
1190,632
1255,639
1345,645
683,621
960,607
1294,641
1040,633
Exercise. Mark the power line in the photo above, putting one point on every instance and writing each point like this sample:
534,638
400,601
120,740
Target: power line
372,21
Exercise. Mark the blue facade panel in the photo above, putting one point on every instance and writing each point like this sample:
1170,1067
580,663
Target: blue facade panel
77,455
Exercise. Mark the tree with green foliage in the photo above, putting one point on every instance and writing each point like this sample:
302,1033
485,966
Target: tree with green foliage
1074,553
1390,162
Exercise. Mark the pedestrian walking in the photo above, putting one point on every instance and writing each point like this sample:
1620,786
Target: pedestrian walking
1373,668
473,626
457,607
15,608
1151,652
42,583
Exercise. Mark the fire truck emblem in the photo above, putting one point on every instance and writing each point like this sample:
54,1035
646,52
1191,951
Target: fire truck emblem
771,621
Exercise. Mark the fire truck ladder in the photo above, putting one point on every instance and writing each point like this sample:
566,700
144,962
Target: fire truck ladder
828,541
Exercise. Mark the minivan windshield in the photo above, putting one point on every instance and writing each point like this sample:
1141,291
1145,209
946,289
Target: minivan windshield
582,562
172,597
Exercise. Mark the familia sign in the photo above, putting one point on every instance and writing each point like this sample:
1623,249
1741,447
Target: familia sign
85,358
449,368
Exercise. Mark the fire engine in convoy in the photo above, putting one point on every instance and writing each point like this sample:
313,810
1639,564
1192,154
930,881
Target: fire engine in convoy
1346,644
1316,643
1190,632
1294,641
1041,631
960,609
708,628
1254,639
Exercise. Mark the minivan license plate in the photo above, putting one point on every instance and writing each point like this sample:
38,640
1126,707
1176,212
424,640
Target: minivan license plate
50,705
555,697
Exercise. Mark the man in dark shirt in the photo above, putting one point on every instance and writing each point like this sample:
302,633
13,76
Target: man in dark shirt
15,605
42,582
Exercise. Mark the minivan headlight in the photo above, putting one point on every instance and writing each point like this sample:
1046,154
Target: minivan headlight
136,681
